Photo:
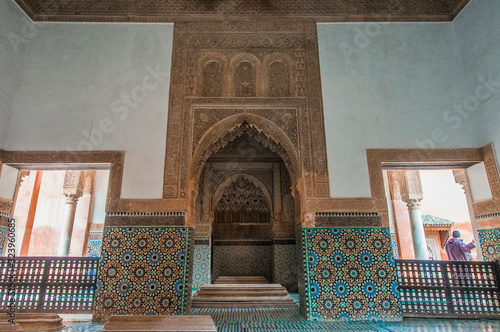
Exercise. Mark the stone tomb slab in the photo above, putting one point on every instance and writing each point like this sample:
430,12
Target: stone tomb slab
37,322
160,323
6,326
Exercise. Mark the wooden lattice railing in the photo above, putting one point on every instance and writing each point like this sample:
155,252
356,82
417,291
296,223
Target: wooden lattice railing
50,284
451,289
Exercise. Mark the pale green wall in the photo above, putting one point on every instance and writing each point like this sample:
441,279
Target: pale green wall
15,33
388,86
478,36
98,87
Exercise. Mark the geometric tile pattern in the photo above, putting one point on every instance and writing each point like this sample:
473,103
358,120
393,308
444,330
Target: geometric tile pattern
285,267
350,274
254,260
3,237
394,246
201,265
144,271
489,240
291,320
94,248
301,268
282,320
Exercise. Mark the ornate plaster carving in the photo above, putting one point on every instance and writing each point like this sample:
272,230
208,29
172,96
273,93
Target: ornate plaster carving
196,122
239,126
200,78
74,183
147,220
241,197
6,206
410,186
248,180
360,219
278,71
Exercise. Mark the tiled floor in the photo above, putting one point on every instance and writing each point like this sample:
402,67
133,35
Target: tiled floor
247,320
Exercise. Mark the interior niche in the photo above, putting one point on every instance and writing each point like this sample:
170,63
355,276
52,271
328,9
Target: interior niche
242,202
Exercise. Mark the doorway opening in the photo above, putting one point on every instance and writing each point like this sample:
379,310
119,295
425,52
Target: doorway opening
444,202
245,216
60,213
245,190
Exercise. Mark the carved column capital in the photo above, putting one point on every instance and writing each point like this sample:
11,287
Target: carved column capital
410,185
414,203
461,178
74,183
71,199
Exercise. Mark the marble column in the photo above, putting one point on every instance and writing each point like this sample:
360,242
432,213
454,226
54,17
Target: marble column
73,190
417,229
412,195
67,225
461,178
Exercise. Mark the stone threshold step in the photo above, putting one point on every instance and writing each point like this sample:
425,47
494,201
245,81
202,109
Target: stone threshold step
187,323
243,305
238,297
243,286
262,292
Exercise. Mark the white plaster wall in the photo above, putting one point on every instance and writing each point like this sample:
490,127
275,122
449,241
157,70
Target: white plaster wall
478,183
14,37
388,85
98,209
478,36
8,182
443,197
98,87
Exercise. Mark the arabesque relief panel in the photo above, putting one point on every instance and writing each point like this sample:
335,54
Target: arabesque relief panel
268,79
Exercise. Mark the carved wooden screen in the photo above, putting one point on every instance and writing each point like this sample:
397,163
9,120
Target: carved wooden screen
449,289
50,284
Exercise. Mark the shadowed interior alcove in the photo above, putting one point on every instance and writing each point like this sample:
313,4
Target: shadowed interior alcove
245,198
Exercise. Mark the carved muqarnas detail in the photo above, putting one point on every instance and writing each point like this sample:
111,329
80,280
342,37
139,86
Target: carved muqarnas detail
212,79
259,136
245,79
278,80
242,201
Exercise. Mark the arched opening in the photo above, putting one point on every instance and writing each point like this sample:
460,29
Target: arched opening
245,210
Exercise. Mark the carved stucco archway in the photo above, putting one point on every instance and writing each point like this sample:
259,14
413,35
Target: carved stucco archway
263,131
